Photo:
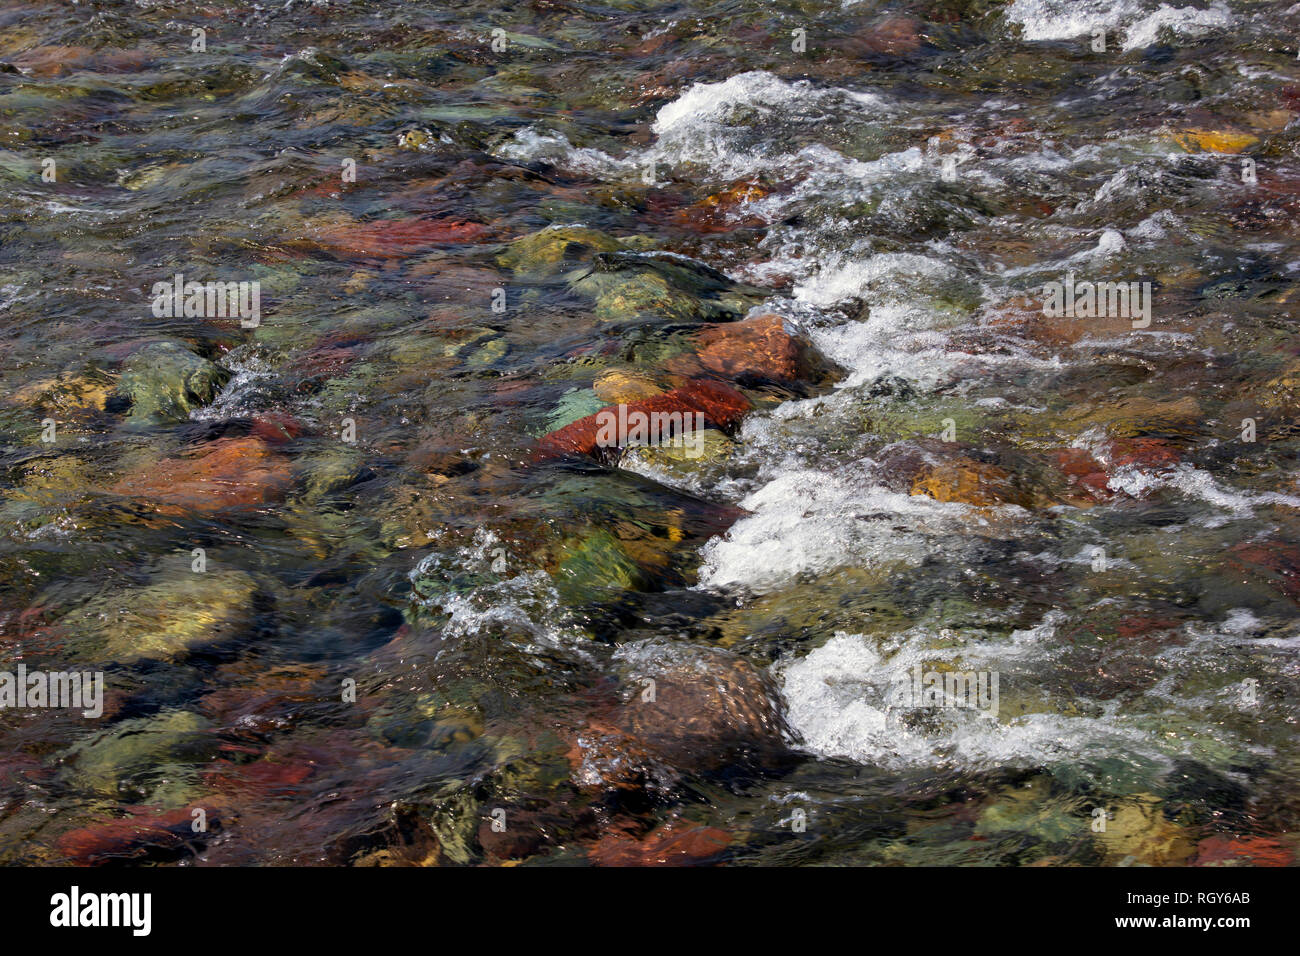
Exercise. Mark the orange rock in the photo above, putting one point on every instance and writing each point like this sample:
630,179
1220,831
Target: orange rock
966,481
1214,141
758,347
395,238
1223,849
671,845
228,473
721,405
742,192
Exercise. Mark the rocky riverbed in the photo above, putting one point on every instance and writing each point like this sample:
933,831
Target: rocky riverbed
908,566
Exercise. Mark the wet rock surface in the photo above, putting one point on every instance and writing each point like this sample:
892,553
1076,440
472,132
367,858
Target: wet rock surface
374,579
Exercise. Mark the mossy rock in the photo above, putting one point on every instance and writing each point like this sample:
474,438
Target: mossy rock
166,382
555,250
592,566
113,761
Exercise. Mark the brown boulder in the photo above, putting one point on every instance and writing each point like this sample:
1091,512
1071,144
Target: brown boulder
228,473
758,347
687,711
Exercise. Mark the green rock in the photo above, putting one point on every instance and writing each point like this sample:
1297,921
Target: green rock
555,249
574,404
166,381
594,563
627,284
157,749
332,470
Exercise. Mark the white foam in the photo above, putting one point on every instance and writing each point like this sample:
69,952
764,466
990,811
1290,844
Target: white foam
840,702
1140,24
1195,483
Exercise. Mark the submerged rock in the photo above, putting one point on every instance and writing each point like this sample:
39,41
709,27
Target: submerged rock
68,392
169,620
674,844
573,405
720,405
681,463
755,348
137,754
166,381
967,482
594,564
555,249
227,473
686,710
145,834
629,284
396,238
617,386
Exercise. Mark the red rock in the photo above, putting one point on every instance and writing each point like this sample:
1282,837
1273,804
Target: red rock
1084,472
674,844
53,60
1246,851
1150,453
146,834
1136,625
717,213
758,347
317,366
1275,562
895,36
264,778
721,405
276,427
395,238
228,473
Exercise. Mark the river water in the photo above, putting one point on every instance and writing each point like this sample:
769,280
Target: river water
360,587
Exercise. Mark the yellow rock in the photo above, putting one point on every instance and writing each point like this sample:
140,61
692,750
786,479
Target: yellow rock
968,482
1214,141
67,392
741,192
616,387
1139,830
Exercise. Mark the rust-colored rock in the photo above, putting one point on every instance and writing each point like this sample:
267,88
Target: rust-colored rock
395,238
1085,474
758,347
1273,561
145,835
675,844
228,473
1148,453
1224,850
721,406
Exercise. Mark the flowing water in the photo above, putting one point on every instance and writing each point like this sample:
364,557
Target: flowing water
356,601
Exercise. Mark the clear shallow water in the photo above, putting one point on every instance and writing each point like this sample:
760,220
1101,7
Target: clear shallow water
960,483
